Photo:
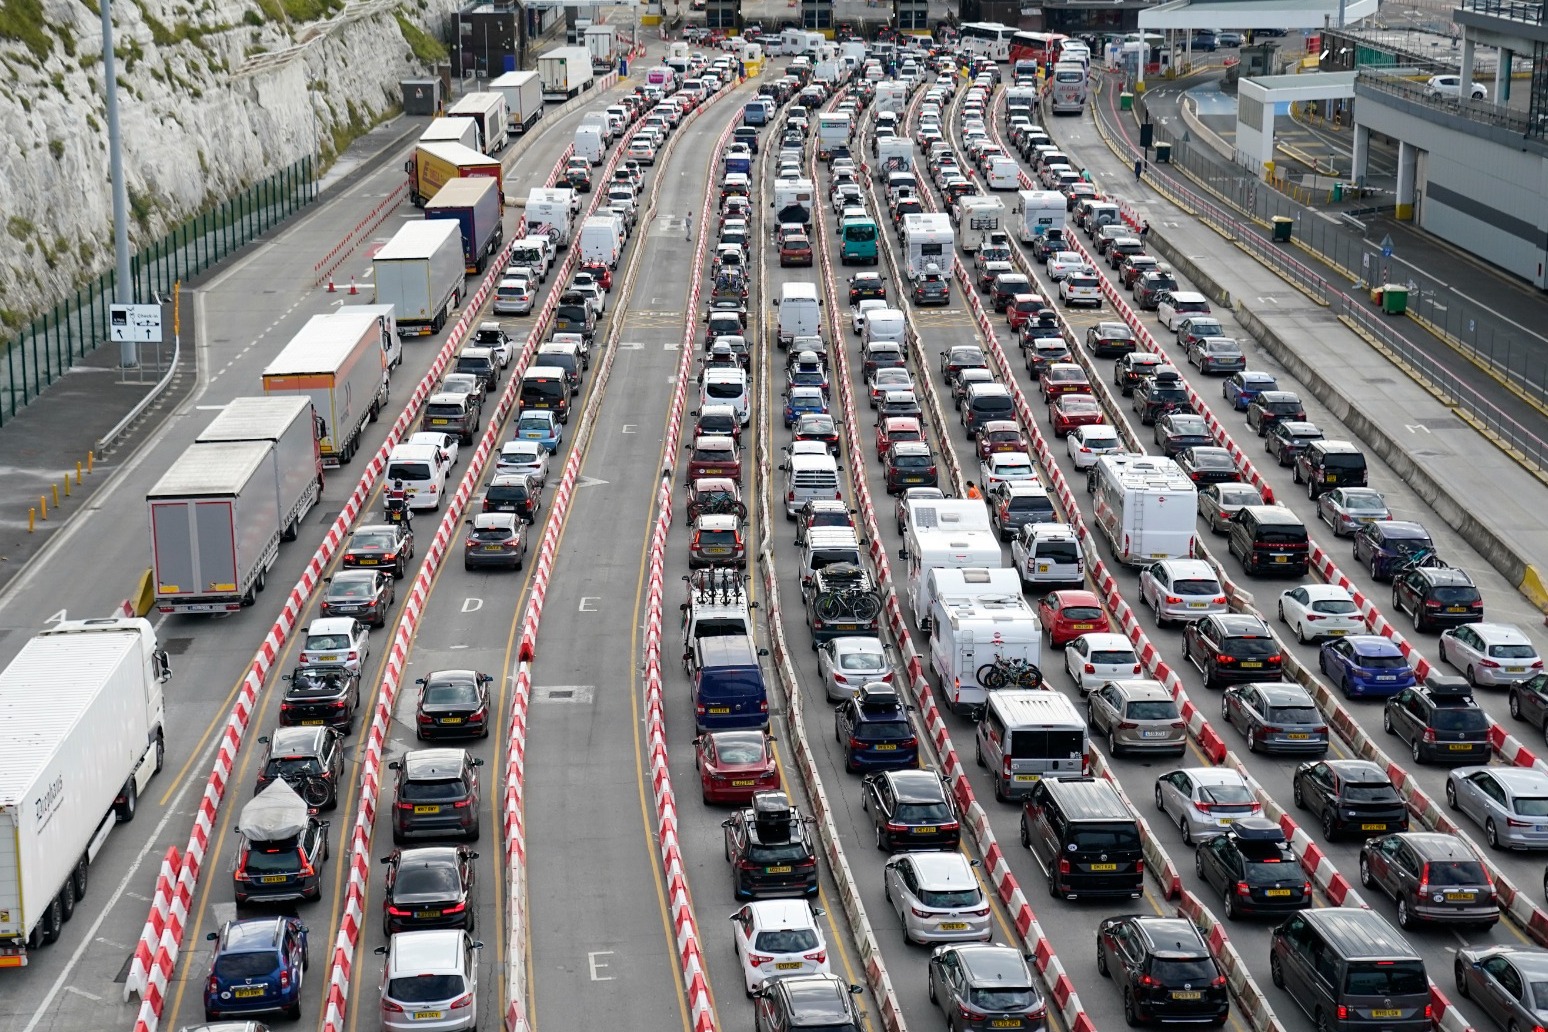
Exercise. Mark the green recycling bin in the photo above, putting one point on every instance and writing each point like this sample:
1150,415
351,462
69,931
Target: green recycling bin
1163,152
1282,227
1125,102
1394,298
1338,191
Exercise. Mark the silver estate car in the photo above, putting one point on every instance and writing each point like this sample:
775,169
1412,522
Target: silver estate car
938,897
1509,803
1137,715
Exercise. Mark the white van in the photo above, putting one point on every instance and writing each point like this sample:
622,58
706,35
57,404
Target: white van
602,240
726,387
884,325
1025,736
590,143
800,313
810,478
424,470
1004,174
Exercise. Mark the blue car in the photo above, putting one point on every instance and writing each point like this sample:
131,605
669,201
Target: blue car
539,425
1383,546
1241,388
256,968
801,400
874,731
1365,665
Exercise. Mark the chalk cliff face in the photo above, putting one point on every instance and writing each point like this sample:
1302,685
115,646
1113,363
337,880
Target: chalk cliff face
213,96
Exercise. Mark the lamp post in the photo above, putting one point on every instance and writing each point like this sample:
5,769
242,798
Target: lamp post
128,351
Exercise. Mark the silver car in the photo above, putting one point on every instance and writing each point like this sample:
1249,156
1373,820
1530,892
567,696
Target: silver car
529,457
1347,509
847,663
1275,717
1510,983
1490,653
1204,801
938,897
1137,715
1510,803
1219,502
1181,589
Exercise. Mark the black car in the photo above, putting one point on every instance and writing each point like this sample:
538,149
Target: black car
1353,796
514,492
1440,721
1254,869
380,546
1208,465
1175,431
1110,340
1271,406
436,795
1163,968
910,810
1385,546
1005,288
287,870
1289,438
1150,286
1162,391
873,729
429,887
366,595
807,1001
302,755
1230,648
316,695
1436,596
769,846
453,704
867,286
1133,369
1043,348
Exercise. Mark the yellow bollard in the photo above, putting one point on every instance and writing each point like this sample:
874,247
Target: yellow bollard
43,505
91,460
32,519
77,474
55,489
67,485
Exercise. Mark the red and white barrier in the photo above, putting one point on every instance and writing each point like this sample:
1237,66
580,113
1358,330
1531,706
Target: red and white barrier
141,963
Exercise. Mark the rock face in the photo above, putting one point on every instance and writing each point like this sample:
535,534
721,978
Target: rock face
213,96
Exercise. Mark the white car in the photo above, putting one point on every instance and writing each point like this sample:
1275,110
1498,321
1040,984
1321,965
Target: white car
1316,611
1173,306
1006,468
1204,801
642,149
1080,287
336,640
1093,659
938,897
1490,653
1181,589
529,457
585,284
1089,443
1451,86
1062,263
858,312
448,443
782,936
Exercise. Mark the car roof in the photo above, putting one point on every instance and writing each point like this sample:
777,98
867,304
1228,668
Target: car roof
332,625
433,764
1236,624
1359,772
1296,427
1520,779
252,935
1171,935
1435,845
1107,640
1140,689
782,913
491,520
916,786
994,964
1501,634
944,870
1399,529
1281,693
1373,645
1315,592
1214,776
817,1000
432,951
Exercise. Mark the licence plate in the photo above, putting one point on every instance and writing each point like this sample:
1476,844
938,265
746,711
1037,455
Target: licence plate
1298,736
1456,609
1179,995
887,747
1387,1012
1461,747
1026,777
743,783
426,914
368,562
1461,897
926,829
1005,1023
1330,478
1042,567
720,709
1152,734
1373,827
274,879
327,659
1198,605
311,723
1515,670
1276,892
1104,867
451,720
427,809
783,869
716,550
427,1015
845,627
912,480
494,548
788,965
1336,633
1158,555
1281,558
953,926
1083,626
1253,665
439,422
246,992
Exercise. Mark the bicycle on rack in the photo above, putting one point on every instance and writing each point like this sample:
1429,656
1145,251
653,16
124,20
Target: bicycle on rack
1419,559
1002,673
859,605
313,789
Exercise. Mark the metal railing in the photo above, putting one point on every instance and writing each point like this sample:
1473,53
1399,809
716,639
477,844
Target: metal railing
1481,111
47,348
1515,10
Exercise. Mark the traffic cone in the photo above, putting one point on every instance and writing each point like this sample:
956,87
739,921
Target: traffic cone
352,288
331,287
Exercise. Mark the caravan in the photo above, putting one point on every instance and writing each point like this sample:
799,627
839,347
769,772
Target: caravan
970,639
930,242
981,216
944,533
1037,213
1146,507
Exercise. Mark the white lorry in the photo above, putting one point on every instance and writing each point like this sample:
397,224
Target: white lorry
929,242
523,92
488,113
565,72
420,271
602,42
968,637
339,361
84,723
980,217
1146,506
1036,212
944,533
461,131
291,424
552,206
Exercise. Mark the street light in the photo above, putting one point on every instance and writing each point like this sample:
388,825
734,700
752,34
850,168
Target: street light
128,351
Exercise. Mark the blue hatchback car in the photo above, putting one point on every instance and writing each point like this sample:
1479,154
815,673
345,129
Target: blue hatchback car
1383,546
802,399
874,730
256,968
1241,388
1365,665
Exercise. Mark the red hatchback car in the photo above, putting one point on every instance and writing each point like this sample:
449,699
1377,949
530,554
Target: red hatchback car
1066,615
1063,378
1072,410
1023,308
1000,435
795,250
895,430
733,765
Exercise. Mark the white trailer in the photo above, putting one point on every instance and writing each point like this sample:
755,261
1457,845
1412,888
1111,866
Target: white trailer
947,533
930,243
461,131
968,636
565,72
793,200
84,722
292,426
980,217
602,42
833,132
549,206
1145,506
487,111
1036,212
523,92
421,272
892,95
339,361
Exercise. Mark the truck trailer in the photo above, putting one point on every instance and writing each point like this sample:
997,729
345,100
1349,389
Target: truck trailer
421,272
84,723
291,424
523,92
602,42
339,361
565,72
474,204
436,164
451,130
487,111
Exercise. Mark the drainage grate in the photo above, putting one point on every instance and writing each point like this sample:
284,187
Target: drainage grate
581,694
328,518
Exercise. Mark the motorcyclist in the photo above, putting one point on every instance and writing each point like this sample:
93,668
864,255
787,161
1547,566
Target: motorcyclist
397,505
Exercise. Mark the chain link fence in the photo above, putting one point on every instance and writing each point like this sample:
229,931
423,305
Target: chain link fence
47,348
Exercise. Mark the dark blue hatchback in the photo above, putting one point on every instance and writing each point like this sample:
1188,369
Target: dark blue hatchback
1365,665
1383,546
1241,388
874,730
256,968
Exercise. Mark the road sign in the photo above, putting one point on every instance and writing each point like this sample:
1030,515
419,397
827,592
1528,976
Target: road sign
1386,246
138,323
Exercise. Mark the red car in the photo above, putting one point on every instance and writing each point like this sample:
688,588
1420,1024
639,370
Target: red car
1072,410
1063,378
894,430
733,765
795,250
714,456
1066,615
600,272
1022,309
999,435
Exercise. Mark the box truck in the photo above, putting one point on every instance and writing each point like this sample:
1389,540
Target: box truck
565,72
551,206
291,424
1146,506
486,110
84,722
1036,212
420,271
451,130
474,204
523,92
436,164
602,42
339,362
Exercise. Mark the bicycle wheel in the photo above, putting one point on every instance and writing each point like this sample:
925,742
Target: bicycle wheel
866,607
830,606
991,676
1028,675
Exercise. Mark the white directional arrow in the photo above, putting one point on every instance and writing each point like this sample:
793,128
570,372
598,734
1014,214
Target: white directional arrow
585,481
630,345
1414,428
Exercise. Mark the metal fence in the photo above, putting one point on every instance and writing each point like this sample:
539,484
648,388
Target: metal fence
52,343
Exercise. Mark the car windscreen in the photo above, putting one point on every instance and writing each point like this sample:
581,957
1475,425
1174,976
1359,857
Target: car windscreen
1081,612
1003,998
1386,978
1459,718
1383,662
924,813
1281,535
444,411
912,461
262,860
1512,652
777,852
717,537
322,642
1111,657
408,471
424,988
1040,744
787,940
1117,836
1255,648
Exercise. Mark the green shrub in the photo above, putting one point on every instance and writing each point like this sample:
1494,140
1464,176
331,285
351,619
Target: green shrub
22,20
426,47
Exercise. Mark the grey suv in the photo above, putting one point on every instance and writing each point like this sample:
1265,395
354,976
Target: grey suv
1435,879
982,987
807,1001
